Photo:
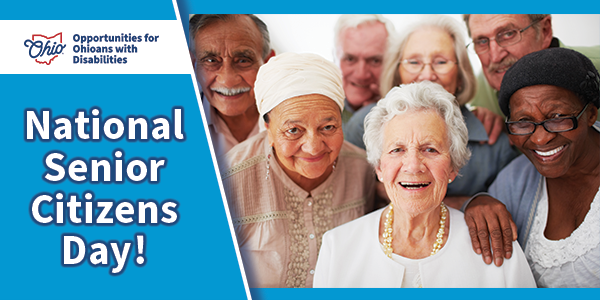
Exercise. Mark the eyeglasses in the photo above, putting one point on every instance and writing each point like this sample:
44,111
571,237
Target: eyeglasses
551,125
503,39
439,65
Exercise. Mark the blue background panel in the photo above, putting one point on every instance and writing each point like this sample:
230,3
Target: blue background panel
87,10
187,7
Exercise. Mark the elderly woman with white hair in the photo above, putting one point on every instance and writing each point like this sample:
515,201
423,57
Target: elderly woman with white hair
433,49
297,179
416,141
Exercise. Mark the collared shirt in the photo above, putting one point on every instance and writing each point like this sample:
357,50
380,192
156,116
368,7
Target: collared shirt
222,138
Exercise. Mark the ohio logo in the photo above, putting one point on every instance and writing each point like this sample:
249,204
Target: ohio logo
45,49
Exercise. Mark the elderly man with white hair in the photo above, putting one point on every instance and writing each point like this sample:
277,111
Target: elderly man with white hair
298,178
227,51
360,43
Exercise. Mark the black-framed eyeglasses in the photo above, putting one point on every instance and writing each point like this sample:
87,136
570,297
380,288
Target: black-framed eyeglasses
503,39
551,125
415,66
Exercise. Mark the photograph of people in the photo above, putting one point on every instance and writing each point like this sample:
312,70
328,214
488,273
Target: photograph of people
298,178
304,197
416,141
433,49
551,98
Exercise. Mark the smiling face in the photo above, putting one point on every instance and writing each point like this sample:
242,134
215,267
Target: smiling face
498,59
361,60
306,134
553,154
430,44
228,55
415,165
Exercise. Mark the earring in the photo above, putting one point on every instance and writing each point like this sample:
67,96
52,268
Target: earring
449,180
334,163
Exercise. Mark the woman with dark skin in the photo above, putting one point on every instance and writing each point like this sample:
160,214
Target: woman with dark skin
551,98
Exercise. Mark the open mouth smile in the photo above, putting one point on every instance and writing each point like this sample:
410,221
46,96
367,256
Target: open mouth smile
414,185
360,85
230,92
549,153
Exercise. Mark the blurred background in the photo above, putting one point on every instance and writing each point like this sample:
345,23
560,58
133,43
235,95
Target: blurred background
314,33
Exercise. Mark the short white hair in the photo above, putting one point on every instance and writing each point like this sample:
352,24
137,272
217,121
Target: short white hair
390,75
417,97
353,21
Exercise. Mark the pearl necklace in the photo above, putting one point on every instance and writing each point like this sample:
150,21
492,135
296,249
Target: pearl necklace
387,231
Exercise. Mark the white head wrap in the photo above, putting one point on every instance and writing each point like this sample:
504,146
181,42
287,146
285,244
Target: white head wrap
290,75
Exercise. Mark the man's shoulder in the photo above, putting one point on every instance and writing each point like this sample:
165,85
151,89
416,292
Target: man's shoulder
591,52
486,96
355,127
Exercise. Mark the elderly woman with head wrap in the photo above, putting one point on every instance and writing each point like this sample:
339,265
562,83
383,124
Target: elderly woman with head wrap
416,140
434,50
551,100
291,183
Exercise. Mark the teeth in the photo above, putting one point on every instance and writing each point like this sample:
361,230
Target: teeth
551,152
230,92
360,85
413,186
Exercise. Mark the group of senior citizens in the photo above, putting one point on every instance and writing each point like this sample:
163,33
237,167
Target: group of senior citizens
302,199
433,50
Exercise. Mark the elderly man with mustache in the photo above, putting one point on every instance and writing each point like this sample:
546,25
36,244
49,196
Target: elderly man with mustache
227,51
501,40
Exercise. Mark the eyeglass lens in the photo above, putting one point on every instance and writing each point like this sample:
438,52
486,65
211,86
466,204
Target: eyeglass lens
504,39
552,125
415,66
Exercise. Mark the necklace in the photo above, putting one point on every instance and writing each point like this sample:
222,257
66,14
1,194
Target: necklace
387,231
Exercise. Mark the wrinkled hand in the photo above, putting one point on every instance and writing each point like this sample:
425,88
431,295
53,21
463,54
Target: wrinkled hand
492,123
487,217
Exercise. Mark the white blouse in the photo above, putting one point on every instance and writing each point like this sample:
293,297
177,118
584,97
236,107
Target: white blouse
351,257
570,262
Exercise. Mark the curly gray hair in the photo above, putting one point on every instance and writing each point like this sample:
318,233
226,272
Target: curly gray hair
414,97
